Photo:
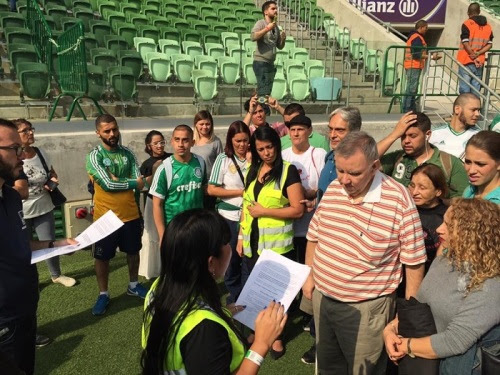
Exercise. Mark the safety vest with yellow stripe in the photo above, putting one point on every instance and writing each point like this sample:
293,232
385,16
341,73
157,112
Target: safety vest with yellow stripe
479,36
410,62
174,364
274,234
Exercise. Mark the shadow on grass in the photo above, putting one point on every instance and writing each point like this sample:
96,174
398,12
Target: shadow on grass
59,352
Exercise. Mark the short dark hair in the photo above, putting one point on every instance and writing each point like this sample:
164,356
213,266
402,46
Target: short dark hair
184,127
423,122
20,121
487,141
435,174
420,23
7,124
264,106
235,128
267,4
462,99
104,118
474,9
292,108
149,138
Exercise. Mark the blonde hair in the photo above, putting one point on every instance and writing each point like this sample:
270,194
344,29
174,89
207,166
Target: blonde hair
474,239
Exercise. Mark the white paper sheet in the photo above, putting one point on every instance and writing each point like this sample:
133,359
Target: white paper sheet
102,227
274,277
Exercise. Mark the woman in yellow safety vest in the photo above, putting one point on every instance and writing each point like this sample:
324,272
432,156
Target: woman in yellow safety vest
186,330
271,201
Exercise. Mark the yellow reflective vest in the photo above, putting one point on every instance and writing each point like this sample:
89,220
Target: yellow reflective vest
274,234
174,364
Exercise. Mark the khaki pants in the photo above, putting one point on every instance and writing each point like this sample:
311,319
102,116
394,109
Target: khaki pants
349,335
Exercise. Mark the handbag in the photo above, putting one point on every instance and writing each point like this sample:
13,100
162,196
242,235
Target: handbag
58,198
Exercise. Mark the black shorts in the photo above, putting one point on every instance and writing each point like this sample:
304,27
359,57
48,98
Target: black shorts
128,239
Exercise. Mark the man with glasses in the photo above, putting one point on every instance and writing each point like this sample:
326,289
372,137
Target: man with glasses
18,277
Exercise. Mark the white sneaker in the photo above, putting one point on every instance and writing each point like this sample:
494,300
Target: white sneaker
64,280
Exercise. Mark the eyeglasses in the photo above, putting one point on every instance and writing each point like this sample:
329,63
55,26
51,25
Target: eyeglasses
18,149
27,131
159,143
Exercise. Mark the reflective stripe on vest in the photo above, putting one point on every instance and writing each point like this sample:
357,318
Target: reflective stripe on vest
479,36
274,234
410,62
174,363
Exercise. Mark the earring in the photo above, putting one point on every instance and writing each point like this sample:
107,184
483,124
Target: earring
213,273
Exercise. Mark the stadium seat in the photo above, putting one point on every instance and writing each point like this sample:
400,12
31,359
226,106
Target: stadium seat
144,45
79,3
170,33
191,35
67,22
103,57
279,90
200,26
105,6
356,48
204,84
100,28
148,31
52,24
230,38
85,15
229,69
289,44
390,74
114,18
126,30
210,37
34,79
371,62
170,13
314,68
249,22
220,27
58,12
182,66
207,63
19,52
123,82
191,16
17,35
115,42
214,49
281,56
293,67
133,60
129,8
327,88
137,19
192,48
248,72
299,53
159,21
210,17
298,85
149,10
169,47
152,3
239,28
159,66
179,23
90,42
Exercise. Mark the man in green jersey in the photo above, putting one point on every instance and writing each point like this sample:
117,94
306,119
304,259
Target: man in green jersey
180,182
414,129
115,174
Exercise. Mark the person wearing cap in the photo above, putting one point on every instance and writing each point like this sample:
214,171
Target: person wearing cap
256,114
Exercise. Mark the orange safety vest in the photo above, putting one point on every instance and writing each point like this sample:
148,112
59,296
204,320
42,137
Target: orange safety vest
410,62
478,38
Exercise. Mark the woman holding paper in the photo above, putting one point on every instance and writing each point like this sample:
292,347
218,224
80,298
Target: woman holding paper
185,329
271,201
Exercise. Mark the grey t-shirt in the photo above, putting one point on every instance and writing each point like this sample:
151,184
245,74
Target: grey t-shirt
460,321
209,153
266,46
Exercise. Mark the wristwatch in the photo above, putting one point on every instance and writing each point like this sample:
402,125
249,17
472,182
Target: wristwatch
408,349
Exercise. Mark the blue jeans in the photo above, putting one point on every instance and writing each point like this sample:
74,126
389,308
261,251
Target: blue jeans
232,278
264,72
409,100
465,78
12,4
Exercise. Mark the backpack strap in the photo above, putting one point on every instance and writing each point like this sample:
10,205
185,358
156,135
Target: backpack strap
42,160
446,162
168,170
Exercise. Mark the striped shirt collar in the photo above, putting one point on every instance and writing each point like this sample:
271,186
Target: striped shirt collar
373,194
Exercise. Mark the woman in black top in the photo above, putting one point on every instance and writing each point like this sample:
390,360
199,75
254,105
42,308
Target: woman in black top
149,266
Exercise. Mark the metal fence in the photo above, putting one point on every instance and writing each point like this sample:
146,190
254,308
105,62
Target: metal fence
40,32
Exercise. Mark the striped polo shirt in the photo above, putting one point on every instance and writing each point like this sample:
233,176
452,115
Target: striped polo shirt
361,247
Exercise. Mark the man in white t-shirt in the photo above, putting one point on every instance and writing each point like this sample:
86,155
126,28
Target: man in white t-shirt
453,137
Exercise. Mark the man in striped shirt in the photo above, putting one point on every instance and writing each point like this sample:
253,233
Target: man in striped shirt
364,229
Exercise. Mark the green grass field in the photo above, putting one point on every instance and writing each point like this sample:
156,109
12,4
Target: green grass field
110,344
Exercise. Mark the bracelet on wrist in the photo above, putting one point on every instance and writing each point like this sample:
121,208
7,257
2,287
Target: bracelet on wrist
254,357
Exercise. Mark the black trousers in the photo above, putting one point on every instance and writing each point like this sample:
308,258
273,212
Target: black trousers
17,342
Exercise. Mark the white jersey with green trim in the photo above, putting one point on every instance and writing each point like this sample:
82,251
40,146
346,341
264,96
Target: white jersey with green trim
448,140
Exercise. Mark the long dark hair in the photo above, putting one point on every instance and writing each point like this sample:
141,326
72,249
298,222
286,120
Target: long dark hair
235,128
487,141
189,240
268,134
149,138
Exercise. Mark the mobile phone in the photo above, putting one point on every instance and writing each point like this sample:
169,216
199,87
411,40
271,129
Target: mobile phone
51,184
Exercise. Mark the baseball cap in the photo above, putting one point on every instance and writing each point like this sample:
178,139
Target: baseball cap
299,120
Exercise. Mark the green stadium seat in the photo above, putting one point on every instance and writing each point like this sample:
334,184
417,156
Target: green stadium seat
293,67
133,60
246,40
105,6
100,28
90,42
240,11
22,9
114,18
248,21
182,66
279,90
191,16
152,3
159,66
11,19
128,8
144,46
281,55
210,37
67,22
315,68
220,27
148,31
239,28
103,57
229,69
123,83
248,72
214,49
207,63
204,84
128,31
169,47
19,52
85,15
390,74
149,10
232,3
225,11
170,13
230,38
79,4
200,25
137,19
179,23
299,53
4,6
236,52
210,17
289,43
230,20
96,82
257,14
115,43
298,85
17,35
192,48
159,21
356,48
34,79
170,33
371,61
190,35
58,12
322,89
343,38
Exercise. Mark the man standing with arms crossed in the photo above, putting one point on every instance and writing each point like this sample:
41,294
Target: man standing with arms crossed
115,174
365,227
268,37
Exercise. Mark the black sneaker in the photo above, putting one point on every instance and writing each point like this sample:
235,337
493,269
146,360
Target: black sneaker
306,323
41,341
309,357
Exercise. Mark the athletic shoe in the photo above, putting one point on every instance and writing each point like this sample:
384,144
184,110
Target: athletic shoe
306,322
64,280
41,341
309,357
100,305
138,291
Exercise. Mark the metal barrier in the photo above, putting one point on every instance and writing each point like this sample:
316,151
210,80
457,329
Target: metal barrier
40,32
73,70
